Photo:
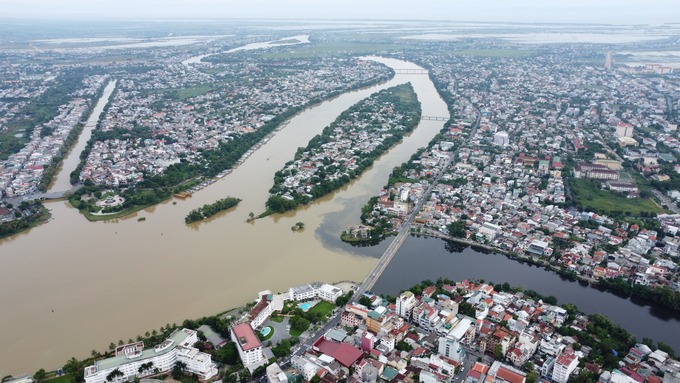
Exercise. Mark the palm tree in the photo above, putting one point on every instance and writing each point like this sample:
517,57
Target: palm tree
146,334
181,365
145,367
94,353
114,374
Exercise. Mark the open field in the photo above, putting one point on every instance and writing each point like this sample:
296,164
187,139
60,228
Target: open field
322,307
328,49
587,193
185,93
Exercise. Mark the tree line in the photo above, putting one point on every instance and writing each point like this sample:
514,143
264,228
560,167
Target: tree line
405,101
212,209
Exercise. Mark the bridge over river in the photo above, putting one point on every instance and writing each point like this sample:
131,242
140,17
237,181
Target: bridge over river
40,196
406,226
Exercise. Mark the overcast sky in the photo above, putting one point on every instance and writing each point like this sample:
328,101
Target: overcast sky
573,11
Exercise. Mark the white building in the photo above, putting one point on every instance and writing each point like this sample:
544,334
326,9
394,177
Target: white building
248,346
564,365
307,367
129,359
501,138
405,304
275,374
624,130
262,310
315,290
489,230
451,348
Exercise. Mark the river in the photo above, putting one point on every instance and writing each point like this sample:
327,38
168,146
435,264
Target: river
62,179
421,258
116,279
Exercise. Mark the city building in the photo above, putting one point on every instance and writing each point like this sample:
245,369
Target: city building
624,130
405,304
565,364
315,290
130,358
248,346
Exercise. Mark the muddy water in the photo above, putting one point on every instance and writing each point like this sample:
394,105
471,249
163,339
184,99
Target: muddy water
62,180
116,279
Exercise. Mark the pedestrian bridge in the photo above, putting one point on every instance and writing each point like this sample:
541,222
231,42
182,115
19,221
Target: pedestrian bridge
411,71
435,118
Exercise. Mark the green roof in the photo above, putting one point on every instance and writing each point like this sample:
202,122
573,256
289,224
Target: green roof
390,373
373,314
177,338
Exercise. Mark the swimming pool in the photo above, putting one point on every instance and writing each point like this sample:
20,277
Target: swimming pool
305,306
265,331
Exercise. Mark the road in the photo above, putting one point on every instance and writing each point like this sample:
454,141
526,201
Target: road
373,276
664,200
406,226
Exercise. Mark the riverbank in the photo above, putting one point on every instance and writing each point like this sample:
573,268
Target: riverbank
19,225
70,141
346,148
425,257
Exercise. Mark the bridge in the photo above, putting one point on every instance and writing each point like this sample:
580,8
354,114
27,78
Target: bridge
406,226
434,118
411,71
35,196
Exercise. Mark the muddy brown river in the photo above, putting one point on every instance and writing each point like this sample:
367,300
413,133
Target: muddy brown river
117,279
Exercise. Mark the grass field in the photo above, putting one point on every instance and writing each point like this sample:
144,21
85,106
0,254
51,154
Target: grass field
294,332
587,193
331,49
186,93
493,52
322,307
63,379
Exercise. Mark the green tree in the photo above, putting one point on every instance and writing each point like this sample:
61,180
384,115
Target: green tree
531,377
499,352
457,230
113,375
298,323
40,375
364,300
71,366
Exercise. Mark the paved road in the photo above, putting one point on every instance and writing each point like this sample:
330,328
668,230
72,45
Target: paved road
664,200
373,276
406,226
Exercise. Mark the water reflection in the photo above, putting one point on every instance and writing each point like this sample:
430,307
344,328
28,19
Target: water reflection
430,258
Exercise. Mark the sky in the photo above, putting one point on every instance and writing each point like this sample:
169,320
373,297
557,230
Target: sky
549,11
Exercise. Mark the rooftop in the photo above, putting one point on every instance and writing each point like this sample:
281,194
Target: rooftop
246,337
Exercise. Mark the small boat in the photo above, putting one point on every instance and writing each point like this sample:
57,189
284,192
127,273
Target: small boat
267,158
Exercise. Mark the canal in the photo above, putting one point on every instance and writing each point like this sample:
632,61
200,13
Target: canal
62,179
421,258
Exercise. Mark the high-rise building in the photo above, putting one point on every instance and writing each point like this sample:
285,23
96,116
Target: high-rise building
405,304
248,346
564,365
